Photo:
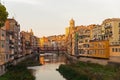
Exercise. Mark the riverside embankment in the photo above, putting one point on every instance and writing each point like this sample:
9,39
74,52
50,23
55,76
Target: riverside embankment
20,71
90,71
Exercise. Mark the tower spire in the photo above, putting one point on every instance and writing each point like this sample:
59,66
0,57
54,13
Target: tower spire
31,31
72,23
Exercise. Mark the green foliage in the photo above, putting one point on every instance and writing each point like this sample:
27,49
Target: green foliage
89,71
20,71
3,15
76,36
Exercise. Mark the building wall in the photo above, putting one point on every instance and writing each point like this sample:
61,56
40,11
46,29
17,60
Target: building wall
115,51
110,29
25,42
70,39
97,49
3,52
12,34
96,32
29,42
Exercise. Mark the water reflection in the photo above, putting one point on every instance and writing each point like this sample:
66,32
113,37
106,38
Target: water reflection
48,71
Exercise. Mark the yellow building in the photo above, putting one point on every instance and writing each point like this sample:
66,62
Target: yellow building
96,49
106,35
115,51
67,32
42,59
52,42
76,35
70,37
43,42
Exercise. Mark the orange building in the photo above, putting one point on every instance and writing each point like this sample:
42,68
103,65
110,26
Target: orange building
43,42
42,59
55,42
28,42
97,49
3,52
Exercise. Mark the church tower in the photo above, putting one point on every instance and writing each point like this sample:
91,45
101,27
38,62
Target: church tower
72,23
31,32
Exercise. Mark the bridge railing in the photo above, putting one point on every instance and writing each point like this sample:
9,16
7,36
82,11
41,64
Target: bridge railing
52,48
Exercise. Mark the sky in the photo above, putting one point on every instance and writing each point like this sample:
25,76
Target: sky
51,17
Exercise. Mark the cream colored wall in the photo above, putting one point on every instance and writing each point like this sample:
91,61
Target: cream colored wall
115,30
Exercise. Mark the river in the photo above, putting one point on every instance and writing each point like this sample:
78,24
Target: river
48,70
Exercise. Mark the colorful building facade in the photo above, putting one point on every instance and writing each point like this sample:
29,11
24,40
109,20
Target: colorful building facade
29,42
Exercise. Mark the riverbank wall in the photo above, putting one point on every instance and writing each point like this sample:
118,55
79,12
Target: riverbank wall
102,61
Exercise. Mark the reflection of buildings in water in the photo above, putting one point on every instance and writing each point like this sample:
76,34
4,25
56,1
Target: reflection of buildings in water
47,72
53,58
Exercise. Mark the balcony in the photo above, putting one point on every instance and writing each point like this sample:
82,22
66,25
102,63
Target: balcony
107,26
11,46
28,47
11,42
10,32
108,33
115,43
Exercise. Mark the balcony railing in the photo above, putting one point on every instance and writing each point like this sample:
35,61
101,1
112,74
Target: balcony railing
11,42
115,43
28,47
11,46
107,26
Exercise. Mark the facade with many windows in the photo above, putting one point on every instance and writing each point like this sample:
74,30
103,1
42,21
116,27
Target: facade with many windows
96,49
97,32
29,42
111,30
70,38
107,33
3,51
12,37
52,42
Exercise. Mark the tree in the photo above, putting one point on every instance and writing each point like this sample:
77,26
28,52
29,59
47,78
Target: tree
3,15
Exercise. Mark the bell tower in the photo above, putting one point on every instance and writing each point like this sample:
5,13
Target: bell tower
31,32
72,23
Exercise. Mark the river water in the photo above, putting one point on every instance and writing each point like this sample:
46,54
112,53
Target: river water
48,70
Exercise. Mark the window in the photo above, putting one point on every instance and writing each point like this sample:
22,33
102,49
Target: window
119,25
3,35
113,50
100,51
2,45
119,49
116,50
